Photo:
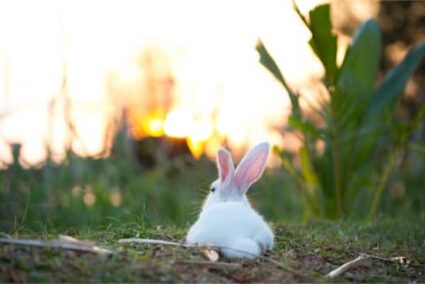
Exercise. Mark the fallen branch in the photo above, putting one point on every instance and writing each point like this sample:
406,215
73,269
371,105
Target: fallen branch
362,260
153,241
58,244
211,262
183,245
396,259
215,264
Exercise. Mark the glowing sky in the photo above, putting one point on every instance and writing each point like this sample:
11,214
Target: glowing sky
209,47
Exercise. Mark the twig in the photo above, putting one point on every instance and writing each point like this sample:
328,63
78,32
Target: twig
184,245
396,259
211,264
375,257
361,260
153,241
58,244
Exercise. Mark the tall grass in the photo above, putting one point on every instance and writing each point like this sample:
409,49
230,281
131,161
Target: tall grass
363,141
88,192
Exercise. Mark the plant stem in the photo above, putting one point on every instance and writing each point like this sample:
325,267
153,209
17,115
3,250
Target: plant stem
336,167
381,186
393,160
338,191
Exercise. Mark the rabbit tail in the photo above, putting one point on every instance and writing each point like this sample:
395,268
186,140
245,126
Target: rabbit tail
242,248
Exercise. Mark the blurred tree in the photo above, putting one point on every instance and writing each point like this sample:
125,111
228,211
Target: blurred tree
403,25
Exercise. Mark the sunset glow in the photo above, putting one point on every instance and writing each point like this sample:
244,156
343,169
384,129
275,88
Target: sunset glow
176,68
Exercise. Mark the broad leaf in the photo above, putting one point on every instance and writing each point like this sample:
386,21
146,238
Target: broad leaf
323,41
360,67
354,89
392,88
267,61
382,103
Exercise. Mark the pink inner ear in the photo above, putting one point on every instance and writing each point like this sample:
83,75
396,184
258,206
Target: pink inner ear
251,167
225,165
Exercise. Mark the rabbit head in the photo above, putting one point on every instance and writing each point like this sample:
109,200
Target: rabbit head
232,183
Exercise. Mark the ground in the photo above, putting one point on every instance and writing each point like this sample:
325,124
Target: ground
303,253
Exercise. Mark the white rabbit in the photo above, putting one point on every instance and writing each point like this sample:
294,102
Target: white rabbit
227,219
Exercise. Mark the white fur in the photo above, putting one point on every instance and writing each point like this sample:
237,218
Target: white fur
227,219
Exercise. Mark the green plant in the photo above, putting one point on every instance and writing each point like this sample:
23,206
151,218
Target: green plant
363,141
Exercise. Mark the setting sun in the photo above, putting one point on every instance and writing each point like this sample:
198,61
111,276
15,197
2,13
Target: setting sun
212,141
81,65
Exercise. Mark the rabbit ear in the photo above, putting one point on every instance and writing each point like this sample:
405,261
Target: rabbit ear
251,167
225,166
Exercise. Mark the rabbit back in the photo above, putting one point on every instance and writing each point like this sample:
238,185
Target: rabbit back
235,227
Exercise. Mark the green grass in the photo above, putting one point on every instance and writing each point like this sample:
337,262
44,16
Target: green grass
162,202
302,252
52,196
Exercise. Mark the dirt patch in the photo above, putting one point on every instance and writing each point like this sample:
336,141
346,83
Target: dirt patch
296,258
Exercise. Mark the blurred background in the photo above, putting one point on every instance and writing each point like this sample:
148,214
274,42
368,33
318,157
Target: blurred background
113,111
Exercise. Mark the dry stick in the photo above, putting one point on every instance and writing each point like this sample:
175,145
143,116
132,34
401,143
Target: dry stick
396,259
59,244
152,241
216,264
162,242
361,260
